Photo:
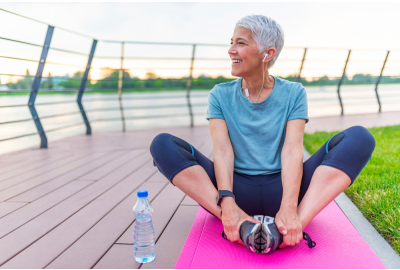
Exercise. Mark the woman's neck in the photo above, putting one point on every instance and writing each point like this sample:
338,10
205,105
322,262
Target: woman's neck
254,82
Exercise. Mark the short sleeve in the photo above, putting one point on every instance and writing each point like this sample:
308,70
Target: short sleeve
300,107
214,109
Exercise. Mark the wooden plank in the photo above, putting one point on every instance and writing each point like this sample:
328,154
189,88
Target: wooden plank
104,229
48,176
189,201
34,230
118,257
166,203
16,219
8,207
164,206
10,165
170,244
87,250
52,165
29,233
39,191
34,169
111,166
30,154
39,226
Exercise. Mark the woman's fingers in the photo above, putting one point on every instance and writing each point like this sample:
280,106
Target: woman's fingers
293,236
281,227
231,233
299,236
228,232
252,219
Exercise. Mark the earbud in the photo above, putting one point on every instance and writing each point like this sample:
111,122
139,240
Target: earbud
265,57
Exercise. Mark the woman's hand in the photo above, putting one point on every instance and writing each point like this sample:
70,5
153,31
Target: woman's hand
232,217
289,225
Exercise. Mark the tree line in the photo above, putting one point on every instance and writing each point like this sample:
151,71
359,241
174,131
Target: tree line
111,77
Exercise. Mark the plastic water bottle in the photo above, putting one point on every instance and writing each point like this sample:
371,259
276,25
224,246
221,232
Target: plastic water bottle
143,232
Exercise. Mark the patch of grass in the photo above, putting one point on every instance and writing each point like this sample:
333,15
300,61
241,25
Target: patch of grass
376,191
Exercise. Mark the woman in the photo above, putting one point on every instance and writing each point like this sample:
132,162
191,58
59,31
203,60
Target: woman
257,125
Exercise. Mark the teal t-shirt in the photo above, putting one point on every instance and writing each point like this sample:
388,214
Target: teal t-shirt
257,130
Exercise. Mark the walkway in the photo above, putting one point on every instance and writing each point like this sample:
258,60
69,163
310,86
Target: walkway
70,206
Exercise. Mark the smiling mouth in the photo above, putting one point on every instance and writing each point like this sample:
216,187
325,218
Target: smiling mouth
237,61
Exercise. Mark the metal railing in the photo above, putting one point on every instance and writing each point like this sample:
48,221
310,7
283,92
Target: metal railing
46,47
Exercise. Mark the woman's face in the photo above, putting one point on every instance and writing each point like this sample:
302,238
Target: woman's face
244,53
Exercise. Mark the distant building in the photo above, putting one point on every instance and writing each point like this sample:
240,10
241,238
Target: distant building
4,88
58,79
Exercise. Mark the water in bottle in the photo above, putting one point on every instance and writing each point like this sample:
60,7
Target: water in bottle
143,232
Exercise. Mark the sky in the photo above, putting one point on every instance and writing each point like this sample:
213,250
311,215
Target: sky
369,29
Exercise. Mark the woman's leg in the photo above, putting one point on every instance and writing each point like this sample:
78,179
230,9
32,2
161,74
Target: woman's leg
193,173
332,169
326,184
195,182
188,169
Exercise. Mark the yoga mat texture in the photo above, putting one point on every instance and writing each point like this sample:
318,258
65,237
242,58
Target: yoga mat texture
339,245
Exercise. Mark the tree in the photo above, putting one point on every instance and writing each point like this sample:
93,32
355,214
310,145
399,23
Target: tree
151,75
47,83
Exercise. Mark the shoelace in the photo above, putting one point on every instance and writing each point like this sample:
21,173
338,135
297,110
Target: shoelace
310,242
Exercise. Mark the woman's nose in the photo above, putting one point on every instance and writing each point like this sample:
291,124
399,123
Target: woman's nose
232,50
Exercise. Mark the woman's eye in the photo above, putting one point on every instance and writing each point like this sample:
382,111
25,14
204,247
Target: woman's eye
241,43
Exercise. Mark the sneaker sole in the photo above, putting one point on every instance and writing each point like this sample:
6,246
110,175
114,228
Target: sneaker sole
258,239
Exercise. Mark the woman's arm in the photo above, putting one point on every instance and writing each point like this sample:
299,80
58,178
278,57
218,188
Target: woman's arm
231,215
292,172
222,154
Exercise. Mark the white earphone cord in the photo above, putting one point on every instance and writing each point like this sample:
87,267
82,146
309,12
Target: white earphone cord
262,82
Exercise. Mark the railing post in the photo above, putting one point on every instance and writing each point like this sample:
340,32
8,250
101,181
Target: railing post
341,80
83,86
36,86
379,80
302,64
189,86
120,81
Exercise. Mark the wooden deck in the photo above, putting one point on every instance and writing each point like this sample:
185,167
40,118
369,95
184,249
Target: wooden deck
70,206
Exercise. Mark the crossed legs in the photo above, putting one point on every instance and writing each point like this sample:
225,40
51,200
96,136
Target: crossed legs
326,184
325,175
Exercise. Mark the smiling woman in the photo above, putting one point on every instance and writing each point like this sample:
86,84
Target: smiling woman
256,40
258,167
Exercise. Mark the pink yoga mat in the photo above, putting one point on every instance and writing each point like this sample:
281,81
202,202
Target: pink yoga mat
339,245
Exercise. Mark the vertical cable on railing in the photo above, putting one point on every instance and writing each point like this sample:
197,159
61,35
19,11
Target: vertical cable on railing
120,84
341,80
189,86
379,80
302,64
82,88
36,86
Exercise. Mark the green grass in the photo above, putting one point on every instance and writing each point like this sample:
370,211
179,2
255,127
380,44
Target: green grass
376,191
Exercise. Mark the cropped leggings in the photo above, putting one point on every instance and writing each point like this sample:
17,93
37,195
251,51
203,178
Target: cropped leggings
348,151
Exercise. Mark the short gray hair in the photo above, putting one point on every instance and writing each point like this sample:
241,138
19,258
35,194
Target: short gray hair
266,33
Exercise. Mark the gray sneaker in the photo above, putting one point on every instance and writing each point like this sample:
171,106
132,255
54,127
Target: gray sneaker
261,237
275,238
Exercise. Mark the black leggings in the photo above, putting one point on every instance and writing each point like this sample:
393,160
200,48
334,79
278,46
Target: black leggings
348,151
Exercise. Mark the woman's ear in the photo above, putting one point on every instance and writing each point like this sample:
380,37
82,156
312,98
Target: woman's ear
270,53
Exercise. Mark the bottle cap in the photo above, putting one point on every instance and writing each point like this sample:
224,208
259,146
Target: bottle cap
142,193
